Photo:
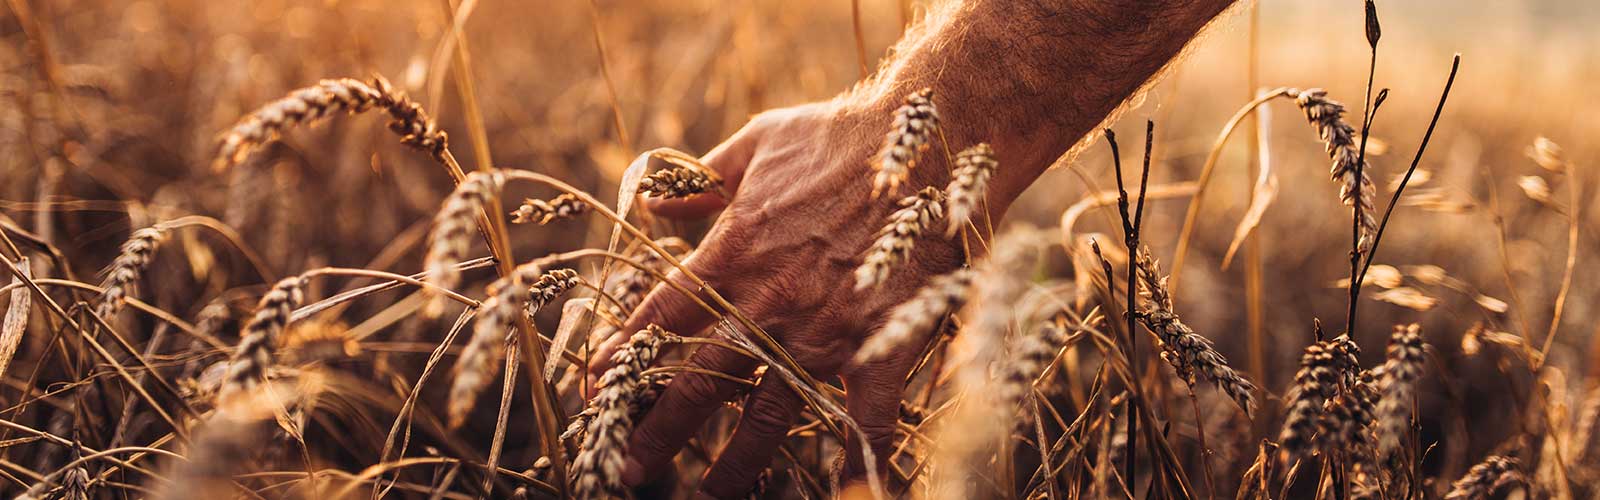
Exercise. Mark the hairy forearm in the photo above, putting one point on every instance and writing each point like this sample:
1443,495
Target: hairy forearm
1032,77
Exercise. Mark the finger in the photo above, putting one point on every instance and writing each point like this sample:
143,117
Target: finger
729,161
682,407
768,413
666,306
873,391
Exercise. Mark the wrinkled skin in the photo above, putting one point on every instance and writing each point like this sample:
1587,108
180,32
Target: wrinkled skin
783,252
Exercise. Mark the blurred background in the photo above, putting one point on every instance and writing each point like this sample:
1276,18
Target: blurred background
112,109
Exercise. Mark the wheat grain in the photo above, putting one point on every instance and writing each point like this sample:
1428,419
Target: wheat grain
597,469
543,212
915,123
968,185
1486,477
1339,139
453,226
1188,352
1401,371
527,287
676,181
254,355
309,104
124,272
896,239
943,294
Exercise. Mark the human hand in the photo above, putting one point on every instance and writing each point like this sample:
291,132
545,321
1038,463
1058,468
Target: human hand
783,251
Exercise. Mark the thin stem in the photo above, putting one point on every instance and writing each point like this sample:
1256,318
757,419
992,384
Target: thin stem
1128,238
1193,214
1394,200
1355,213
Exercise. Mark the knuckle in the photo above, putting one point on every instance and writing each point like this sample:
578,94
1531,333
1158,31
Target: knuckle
767,416
699,390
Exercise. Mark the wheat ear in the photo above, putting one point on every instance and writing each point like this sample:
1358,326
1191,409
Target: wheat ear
124,272
309,104
968,185
915,124
453,228
597,470
1401,370
1339,139
676,181
526,288
254,355
896,239
1486,477
1188,352
543,212
1323,367
943,294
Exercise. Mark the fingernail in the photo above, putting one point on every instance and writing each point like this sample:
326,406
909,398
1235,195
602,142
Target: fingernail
632,473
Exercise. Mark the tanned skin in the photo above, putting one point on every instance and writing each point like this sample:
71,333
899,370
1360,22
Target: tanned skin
1030,77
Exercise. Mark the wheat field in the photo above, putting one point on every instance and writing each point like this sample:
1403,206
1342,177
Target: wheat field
367,249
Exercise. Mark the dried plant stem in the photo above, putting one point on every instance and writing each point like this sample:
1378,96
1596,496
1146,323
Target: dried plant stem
106,356
1192,216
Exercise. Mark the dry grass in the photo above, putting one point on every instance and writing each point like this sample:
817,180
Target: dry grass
299,347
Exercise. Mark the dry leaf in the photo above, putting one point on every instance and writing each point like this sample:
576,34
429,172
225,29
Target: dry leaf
572,314
1407,297
16,321
1266,188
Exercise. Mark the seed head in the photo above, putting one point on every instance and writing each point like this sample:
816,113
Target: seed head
897,238
915,124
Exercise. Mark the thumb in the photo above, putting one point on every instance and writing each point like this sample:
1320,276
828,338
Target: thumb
728,160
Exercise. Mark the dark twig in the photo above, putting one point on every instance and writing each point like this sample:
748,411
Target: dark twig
1455,65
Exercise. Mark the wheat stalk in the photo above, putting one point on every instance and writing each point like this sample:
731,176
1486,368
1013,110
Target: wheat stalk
915,123
897,238
1338,138
1486,477
942,295
453,227
1188,352
968,185
597,470
543,212
1401,371
527,287
309,104
254,355
124,272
